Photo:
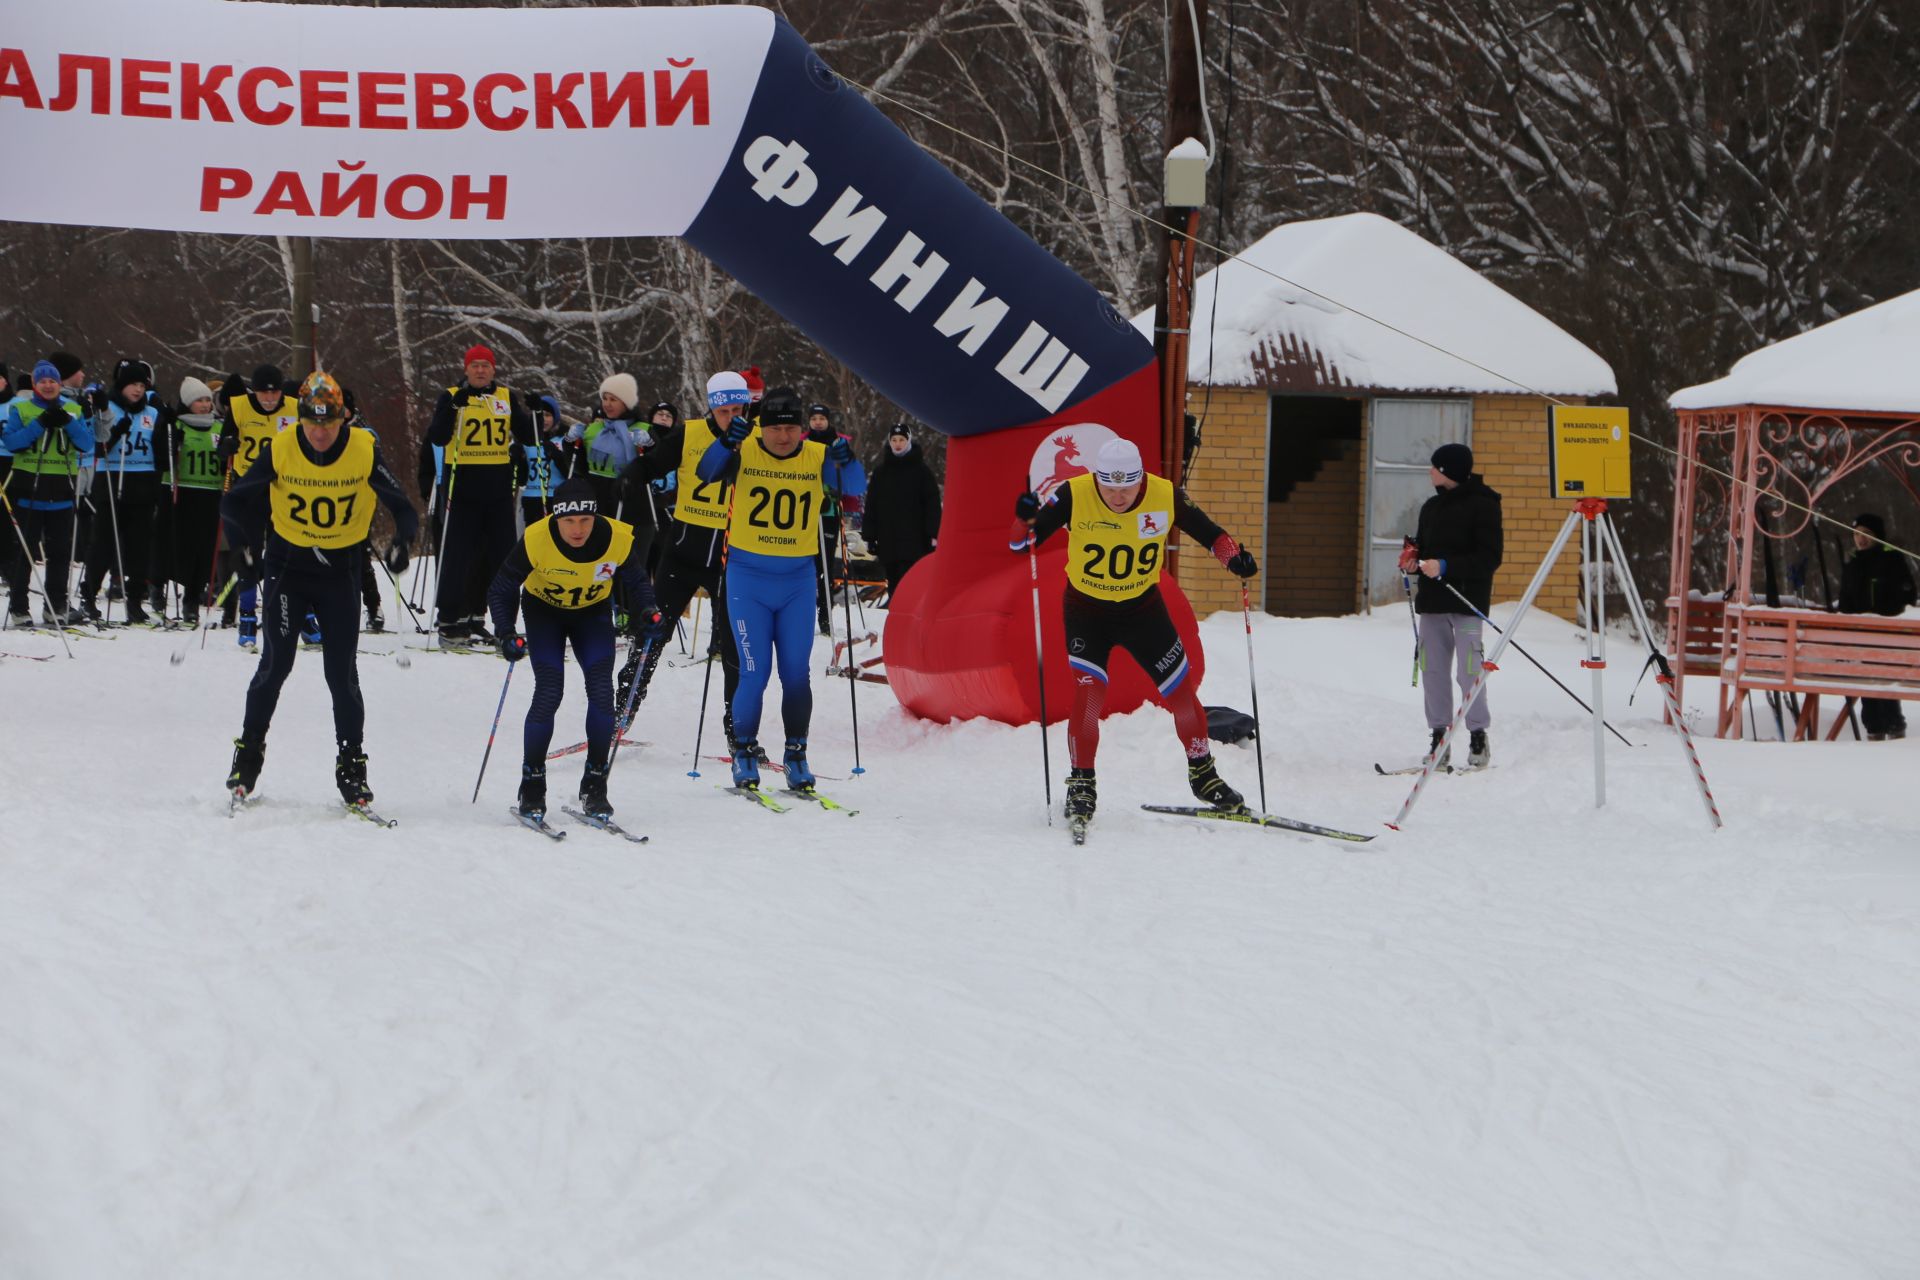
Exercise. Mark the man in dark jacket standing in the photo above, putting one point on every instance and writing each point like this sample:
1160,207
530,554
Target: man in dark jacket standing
903,507
1876,580
1458,544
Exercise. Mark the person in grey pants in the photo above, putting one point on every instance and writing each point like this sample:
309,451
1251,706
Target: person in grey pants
1458,545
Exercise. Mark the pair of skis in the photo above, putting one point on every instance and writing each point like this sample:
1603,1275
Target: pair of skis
240,799
809,794
554,833
1412,769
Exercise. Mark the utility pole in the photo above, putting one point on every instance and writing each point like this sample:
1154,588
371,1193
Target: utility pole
1173,305
301,248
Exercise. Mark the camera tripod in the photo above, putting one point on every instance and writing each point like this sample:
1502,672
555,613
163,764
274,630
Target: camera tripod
1599,540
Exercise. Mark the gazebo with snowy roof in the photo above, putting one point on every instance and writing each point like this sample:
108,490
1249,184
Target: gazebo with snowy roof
1314,369
1792,425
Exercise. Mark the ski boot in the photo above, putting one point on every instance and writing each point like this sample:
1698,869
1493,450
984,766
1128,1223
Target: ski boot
249,637
190,616
90,611
1479,754
799,776
310,630
1433,745
350,774
533,790
593,791
376,621
248,756
19,619
1081,795
477,633
137,615
1209,786
746,765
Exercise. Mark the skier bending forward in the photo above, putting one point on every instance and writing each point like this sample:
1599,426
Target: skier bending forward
1117,518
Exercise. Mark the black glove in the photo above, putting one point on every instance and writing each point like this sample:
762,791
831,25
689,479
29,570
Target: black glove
98,401
226,446
396,557
737,431
513,646
1241,564
648,628
1026,507
55,418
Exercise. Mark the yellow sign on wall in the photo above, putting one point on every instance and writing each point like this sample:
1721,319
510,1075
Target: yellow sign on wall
1591,452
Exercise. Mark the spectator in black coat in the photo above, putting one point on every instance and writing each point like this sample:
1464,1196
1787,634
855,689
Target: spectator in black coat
1876,580
903,507
1458,544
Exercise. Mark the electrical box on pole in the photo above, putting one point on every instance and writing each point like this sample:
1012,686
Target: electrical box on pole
1187,175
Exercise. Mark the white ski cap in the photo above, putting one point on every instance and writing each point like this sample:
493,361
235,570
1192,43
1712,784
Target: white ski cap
623,388
1118,463
192,389
727,387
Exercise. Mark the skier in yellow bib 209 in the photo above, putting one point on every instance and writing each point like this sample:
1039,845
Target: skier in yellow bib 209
1117,518
313,490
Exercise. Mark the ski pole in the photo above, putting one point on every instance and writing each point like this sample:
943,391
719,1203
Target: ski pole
399,594
119,561
626,712
59,624
496,728
1253,687
1413,617
180,655
700,729
1040,665
1529,657
853,669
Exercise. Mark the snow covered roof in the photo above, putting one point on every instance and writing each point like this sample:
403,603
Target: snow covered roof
1863,362
1271,334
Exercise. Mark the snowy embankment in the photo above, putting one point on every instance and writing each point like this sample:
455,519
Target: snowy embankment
1521,1038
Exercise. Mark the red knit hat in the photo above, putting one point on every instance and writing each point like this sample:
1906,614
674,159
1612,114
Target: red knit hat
756,385
479,352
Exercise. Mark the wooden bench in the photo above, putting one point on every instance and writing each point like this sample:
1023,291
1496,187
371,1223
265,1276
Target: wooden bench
1811,653
1699,652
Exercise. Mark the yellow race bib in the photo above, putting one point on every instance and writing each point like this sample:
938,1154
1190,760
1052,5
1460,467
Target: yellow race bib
483,428
328,507
573,584
257,430
1113,555
777,509
700,502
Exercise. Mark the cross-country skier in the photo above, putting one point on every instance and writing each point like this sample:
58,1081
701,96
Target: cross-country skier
1458,542
562,576
311,492
1117,518
129,488
48,435
781,481
480,423
257,412
695,535
187,456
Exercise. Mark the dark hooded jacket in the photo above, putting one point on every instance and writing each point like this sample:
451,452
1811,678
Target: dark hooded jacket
903,507
1461,526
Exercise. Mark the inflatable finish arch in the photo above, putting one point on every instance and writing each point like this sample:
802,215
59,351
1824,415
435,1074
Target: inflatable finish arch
719,124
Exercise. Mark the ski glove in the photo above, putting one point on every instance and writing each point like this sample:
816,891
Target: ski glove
1239,562
1026,507
1409,557
396,558
737,430
649,628
513,646
840,451
55,418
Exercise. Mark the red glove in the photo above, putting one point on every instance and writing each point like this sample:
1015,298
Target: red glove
1409,557
1229,553
1019,536
1225,548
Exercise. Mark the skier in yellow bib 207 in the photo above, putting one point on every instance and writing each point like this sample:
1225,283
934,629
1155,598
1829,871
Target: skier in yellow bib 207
312,490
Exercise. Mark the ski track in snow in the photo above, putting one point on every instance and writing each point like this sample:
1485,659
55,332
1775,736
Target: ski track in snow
1521,1038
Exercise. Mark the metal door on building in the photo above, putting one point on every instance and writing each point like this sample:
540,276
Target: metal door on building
1402,436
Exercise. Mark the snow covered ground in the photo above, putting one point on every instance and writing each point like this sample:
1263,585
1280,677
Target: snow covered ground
1521,1038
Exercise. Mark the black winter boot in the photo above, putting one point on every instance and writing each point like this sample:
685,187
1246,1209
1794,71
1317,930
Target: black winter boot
593,791
350,774
1479,754
248,756
1080,793
1433,745
533,790
1208,785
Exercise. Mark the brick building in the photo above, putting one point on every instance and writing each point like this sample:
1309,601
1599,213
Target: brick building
1320,411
